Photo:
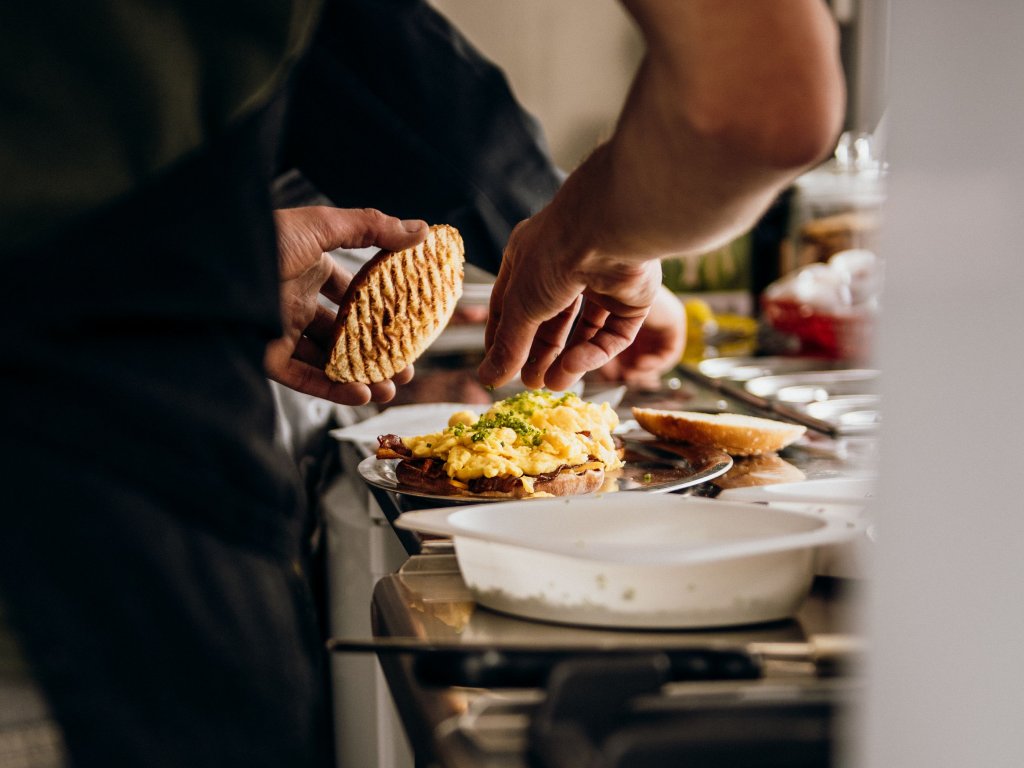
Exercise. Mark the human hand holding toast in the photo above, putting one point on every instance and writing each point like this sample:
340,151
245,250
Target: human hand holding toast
304,236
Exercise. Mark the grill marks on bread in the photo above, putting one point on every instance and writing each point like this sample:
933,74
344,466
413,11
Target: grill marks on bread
396,306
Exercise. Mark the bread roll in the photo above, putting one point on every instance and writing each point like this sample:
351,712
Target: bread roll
736,434
395,307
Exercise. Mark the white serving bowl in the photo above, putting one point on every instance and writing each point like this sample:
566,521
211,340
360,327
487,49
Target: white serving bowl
640,561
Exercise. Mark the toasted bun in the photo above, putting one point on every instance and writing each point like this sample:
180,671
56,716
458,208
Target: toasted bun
395,307
571,483
734,433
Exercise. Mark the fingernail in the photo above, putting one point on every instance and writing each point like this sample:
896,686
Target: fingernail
413,225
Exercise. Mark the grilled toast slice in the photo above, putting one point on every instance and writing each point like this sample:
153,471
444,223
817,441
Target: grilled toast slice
395,307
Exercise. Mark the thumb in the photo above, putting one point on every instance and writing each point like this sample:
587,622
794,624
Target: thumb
332,228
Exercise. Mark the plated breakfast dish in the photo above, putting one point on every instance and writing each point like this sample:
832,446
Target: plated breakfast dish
534,443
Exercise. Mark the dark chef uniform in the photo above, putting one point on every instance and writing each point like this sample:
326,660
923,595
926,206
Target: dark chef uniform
154,550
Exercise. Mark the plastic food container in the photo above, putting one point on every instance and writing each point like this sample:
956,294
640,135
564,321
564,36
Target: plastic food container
830,308
668,562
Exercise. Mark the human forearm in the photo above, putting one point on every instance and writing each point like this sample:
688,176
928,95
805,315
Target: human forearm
733,100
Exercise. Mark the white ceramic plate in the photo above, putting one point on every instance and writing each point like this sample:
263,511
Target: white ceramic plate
837,490
421,419
845,497
672,562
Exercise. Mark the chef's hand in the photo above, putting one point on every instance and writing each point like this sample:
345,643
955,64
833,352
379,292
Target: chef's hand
537,295
304,235
657,348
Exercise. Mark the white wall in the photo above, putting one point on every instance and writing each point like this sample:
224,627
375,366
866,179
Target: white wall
947,611
569,61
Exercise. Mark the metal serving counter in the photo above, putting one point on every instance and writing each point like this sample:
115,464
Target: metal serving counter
465,679
467,725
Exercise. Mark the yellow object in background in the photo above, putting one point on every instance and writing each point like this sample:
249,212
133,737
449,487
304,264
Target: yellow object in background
699,317
722,276
716,335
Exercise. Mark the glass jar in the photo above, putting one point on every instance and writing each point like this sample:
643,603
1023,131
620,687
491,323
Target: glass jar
838,205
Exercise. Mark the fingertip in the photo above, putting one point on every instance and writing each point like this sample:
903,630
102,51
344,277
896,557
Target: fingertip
404,376
492,374
533,377
350,394
414,226
559,380
382,391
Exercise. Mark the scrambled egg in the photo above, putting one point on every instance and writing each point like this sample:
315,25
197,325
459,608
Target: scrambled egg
528,434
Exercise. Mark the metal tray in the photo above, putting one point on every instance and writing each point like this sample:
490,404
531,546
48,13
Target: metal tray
814,386
746,368
851,413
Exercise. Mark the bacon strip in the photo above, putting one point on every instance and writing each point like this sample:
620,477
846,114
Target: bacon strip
432,469
392,447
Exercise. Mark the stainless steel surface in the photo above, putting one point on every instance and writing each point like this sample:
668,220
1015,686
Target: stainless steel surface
747,368
426,604
792,388
851,413
814,649
811,386
428,601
